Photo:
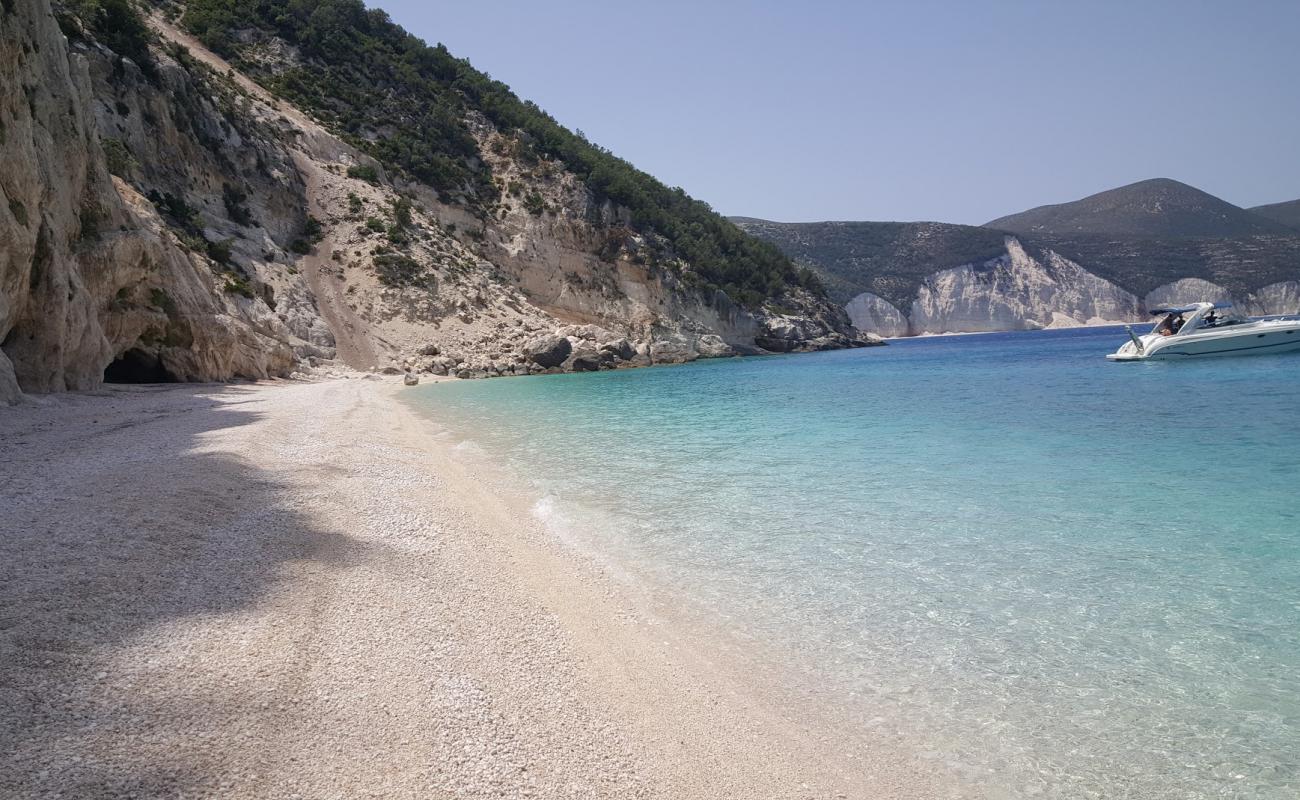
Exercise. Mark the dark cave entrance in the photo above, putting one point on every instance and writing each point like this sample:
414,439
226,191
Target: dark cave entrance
137,366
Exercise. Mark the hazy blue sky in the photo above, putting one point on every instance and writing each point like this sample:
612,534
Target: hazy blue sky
954,111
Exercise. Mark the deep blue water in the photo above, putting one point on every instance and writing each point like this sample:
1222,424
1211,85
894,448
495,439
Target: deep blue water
1066,577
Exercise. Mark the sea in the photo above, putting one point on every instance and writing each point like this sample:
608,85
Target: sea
1064,577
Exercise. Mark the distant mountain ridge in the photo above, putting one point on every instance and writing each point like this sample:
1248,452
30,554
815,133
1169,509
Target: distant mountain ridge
1102,258
1287,213
1159,208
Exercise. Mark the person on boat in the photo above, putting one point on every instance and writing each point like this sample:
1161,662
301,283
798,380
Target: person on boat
1211,319
1166,326
1177,324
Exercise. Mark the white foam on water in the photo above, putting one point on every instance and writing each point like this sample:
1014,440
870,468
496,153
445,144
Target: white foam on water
544,508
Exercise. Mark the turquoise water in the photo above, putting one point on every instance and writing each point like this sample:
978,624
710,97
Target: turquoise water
1065,577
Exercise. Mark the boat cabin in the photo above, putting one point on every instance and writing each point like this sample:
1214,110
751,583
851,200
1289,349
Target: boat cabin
1184,320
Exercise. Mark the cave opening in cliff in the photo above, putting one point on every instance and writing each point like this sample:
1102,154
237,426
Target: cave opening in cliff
137,366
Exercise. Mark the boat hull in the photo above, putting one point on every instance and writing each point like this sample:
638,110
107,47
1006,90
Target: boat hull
1275,339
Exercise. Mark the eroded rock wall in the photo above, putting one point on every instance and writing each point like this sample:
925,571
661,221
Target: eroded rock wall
56,198
1281,298
1276,298
89,268
870,312
1017,291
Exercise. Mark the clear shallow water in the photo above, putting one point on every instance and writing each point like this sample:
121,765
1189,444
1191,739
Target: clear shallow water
1068,578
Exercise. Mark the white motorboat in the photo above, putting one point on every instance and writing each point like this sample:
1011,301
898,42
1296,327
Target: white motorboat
1208,329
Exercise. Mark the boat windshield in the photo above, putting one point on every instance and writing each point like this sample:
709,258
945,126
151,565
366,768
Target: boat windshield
1169,324
1220,317
1199,317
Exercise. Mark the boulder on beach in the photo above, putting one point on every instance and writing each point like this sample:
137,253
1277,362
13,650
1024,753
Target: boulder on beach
672,351
586,359
712,346
548,350
621,349
410,379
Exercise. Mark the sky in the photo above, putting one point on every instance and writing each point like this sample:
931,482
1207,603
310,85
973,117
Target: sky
949,111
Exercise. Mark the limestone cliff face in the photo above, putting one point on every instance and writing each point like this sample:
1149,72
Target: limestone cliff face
1022,292
1016,291
175,221
88,272
1281,298
1276,298
870,312
901,278
49,293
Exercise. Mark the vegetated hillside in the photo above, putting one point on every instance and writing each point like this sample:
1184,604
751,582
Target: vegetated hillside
410,105
1287,213
1153,209
888,259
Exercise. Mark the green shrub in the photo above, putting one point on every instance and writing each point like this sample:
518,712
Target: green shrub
235,199
176,211
90,219
395,269
402,212
364,172
534,204
312,232
160,299
219,251
237,284
118,157
118,26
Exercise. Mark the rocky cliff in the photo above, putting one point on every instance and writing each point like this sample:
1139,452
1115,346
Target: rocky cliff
1018,291
904,279
88,269
167,217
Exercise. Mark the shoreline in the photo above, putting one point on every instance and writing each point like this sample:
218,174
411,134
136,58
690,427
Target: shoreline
930,335
300,588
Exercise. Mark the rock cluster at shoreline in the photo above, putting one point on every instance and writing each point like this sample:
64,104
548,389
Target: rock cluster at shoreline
591,348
